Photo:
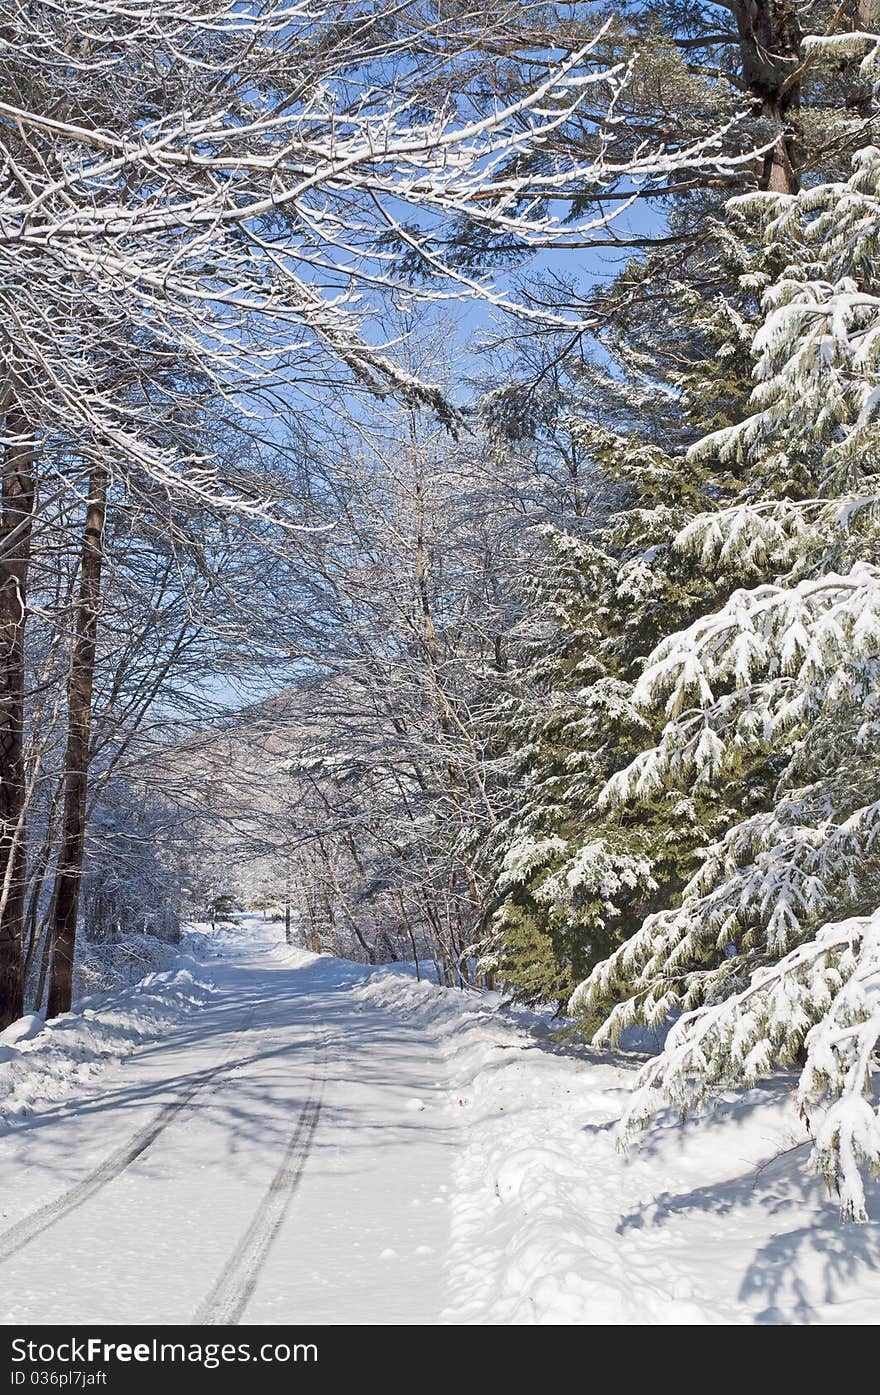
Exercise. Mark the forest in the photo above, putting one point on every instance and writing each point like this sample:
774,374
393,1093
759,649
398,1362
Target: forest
440,456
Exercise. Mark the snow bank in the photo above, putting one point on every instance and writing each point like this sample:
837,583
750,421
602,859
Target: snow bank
41,1062
104,968
715,1222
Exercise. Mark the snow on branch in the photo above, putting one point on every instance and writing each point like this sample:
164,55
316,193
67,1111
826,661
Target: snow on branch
823,998
818,348
754,673
235,184
769,954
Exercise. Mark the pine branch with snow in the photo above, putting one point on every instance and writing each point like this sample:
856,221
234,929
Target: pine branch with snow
770,952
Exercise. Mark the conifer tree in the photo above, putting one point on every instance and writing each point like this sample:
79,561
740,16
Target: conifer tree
678,331
772,952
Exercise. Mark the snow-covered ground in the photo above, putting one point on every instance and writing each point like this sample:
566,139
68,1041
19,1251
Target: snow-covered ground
721,1221
266,1135
40,1063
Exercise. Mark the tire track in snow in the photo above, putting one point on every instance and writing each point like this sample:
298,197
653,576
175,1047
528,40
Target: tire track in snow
29,1227
232,1292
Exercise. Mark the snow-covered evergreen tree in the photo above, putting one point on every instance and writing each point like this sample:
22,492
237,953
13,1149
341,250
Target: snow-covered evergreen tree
610,586
772,952
568,887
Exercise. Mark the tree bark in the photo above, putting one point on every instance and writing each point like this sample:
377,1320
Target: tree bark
770,44
76,763
16,522
45,958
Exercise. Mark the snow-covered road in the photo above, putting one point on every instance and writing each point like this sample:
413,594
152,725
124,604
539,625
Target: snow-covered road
280,1155
263,1135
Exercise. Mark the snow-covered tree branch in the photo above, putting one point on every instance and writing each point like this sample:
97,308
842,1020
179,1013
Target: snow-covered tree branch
771,948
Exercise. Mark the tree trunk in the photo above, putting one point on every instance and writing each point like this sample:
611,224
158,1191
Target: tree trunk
770,44
76,763
45,958
15,545
34,925
412,940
